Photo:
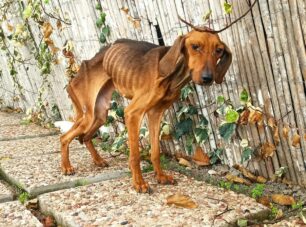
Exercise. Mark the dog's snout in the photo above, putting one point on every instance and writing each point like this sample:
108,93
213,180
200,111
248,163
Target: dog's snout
207,78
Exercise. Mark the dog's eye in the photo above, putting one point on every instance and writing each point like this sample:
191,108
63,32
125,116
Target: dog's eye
195,47
219,51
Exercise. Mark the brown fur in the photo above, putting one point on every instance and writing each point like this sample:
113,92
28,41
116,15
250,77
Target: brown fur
151,76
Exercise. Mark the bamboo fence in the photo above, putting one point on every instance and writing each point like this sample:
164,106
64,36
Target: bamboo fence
269,60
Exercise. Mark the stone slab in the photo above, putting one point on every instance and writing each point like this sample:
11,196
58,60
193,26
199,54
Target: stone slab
10,118
14,214
13,132
41,173
290,222
115,203
33,146
5,194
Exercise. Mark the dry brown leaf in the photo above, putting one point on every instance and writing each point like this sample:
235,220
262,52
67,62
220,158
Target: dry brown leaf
244,117
305,137
296,140
265,200
267,150
59,25
47,29
285,132
166,137
276,136
261,179
181,201
255,116
236,179
125,9
181,154
201,158
246,173
272,122
184,162
9,27
284,200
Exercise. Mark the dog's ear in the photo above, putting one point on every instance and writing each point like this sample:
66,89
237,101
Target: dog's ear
223,65
173,58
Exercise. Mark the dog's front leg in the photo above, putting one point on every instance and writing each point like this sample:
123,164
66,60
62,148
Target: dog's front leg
154,117
133,117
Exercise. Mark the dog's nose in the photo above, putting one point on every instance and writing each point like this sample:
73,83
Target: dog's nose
207,78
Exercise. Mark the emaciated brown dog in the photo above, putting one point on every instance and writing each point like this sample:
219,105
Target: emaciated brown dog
152,77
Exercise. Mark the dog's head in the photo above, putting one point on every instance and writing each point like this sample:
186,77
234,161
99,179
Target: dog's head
203,53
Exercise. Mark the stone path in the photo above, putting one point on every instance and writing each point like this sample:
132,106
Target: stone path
30,160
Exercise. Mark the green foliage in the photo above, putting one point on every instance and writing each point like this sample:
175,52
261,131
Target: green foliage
258,191
244,96
274,211
100,23
226,130
216,155
183,127
231,116
246,155
201,135
242,222
227,7
81,182
298,205
220,100
186,91
23,197
225,184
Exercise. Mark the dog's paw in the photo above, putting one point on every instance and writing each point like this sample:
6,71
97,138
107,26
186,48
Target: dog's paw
68,170
142,187
165,179
101,163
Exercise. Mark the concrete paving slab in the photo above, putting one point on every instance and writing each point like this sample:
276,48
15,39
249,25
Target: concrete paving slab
290,222
13,132
10,118
115,203
41,173
5,194
33,146
14,214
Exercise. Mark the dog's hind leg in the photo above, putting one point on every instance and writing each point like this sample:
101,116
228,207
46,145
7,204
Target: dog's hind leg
78,129
102,106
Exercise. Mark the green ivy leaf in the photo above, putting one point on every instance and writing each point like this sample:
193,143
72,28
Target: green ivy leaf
226,130
182,110
46,1
246,154
99,23
216,155
120,112
106,30
203,121
102,38
227,7
27,11
201,135
192,110
185,91
231,116
110,119
98,6
103,17
183,127
220,100
244,96
189,142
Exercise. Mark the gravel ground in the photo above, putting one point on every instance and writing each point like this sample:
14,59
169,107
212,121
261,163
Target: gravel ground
114,203
39,174
5,193
14,214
